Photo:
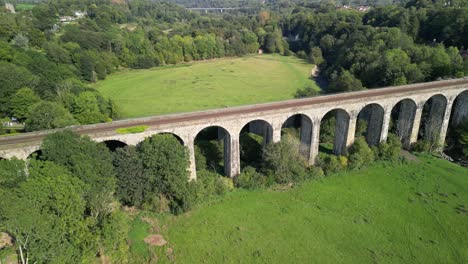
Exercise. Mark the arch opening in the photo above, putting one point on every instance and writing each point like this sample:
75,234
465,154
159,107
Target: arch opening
113,145
458,125
369,123
37,155
432,118
299,126
402,120
212,150
181,141
334,131
254,136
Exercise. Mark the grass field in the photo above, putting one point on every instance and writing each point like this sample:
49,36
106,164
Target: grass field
207,85
411,213
24,7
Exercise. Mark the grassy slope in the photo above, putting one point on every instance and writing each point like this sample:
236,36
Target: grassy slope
397,214
207,85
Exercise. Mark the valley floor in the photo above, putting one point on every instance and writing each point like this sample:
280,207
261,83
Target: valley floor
410,213
205,85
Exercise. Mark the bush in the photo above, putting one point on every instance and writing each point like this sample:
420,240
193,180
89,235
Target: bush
390,150
283,161
421,146
329,163
158,203
209,184
315,172
306,92
250,179
200,159
360,154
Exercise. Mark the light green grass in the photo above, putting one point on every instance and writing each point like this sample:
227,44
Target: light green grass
24,7
138,232
395,214
207,85
131,130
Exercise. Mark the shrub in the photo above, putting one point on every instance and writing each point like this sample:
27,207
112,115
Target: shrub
200,159
306,92
315,172
343,161
329,163
209,184
283,161
158,203
390,150
421,146
250,179
360,154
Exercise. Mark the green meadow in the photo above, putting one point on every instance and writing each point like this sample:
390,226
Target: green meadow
415,212
205,85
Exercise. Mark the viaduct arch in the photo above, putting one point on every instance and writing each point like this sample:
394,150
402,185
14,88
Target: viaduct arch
434,103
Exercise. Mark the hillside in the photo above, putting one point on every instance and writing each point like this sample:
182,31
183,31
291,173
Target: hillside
411,213
207,85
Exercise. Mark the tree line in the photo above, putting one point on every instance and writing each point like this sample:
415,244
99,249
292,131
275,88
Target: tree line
48,65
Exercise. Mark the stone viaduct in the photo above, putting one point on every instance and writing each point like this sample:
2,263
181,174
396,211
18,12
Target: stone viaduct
438,103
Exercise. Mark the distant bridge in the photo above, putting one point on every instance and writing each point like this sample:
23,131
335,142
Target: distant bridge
449,103
220,9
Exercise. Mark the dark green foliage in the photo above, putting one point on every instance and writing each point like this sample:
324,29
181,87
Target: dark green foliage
165,163
390,150
327,129
250,179
283,161
132,185
344,81
251,147
200,159
21,102
306,92
113,237
48,115
12,172
45,214
209,184
12,78
462,132
87,160
421,146
360,154
212,152
329,163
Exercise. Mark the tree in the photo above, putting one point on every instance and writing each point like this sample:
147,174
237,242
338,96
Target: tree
87,160
132,183
12,172
165,162
45,215
85,108
344,82
12,78
283,161
21,102
48,115
360,154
